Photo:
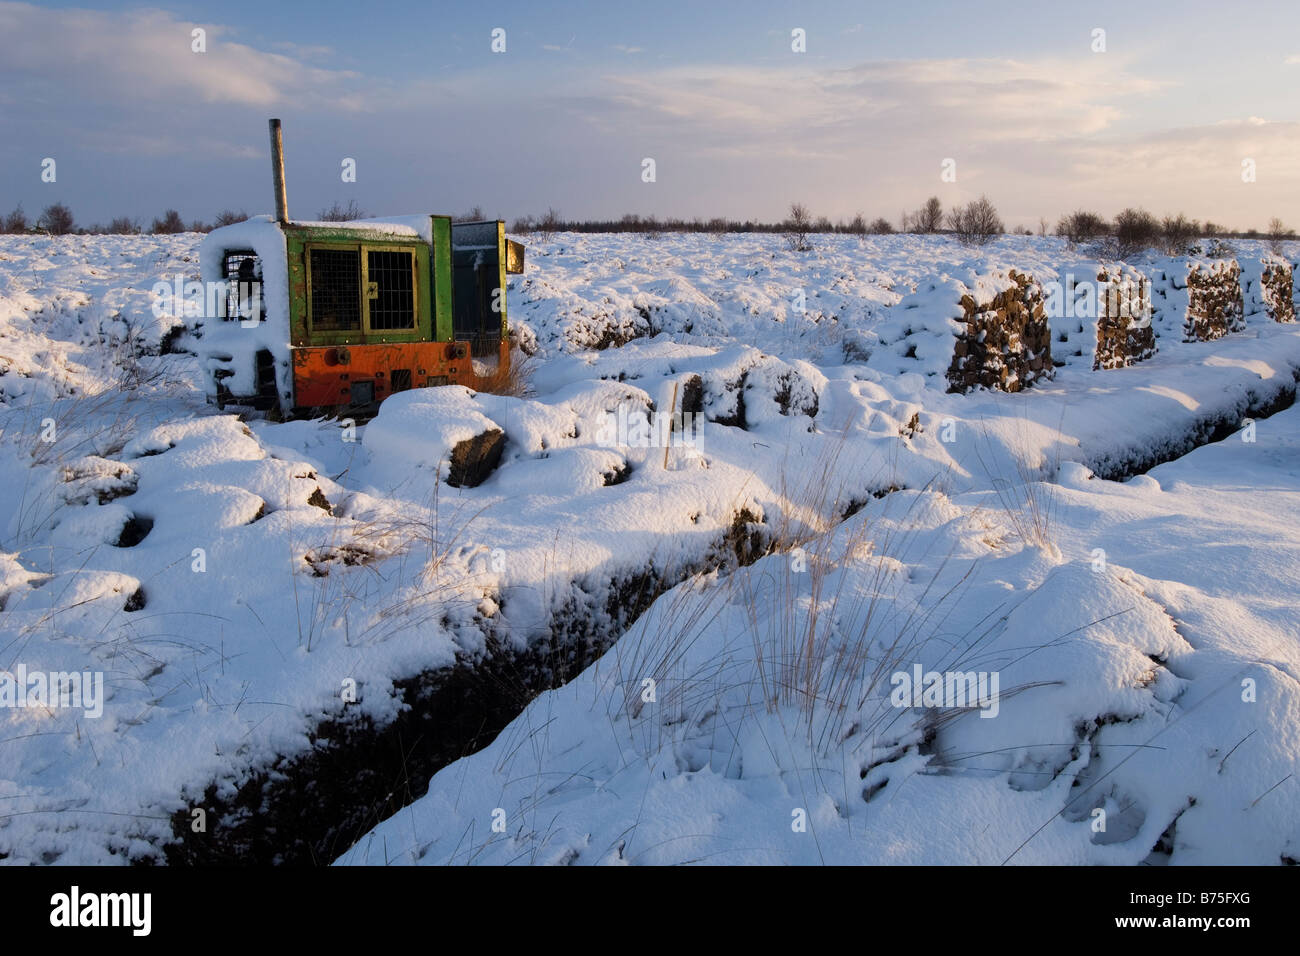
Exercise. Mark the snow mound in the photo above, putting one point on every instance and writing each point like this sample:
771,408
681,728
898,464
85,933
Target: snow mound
1127,723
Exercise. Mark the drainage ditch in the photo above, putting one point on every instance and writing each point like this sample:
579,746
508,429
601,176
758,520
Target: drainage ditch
1204,431
309,808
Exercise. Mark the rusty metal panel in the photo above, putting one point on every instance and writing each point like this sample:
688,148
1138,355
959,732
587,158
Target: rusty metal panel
514,257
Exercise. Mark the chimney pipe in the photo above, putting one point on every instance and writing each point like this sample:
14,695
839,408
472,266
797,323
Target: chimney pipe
277,172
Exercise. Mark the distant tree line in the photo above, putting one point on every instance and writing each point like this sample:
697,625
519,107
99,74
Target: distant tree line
552,221
1136,230
1129,232
974,223
57,220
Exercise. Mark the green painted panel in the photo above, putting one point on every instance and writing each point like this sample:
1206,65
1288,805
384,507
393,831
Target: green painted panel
298,239
442,278
294,249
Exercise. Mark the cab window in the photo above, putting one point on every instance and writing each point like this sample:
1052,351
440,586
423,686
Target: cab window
362,288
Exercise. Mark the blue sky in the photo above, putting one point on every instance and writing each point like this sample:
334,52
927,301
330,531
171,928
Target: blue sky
738,124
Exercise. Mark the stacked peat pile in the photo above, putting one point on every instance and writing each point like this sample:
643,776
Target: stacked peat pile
1214,301
1006,342
1275,289
1124,331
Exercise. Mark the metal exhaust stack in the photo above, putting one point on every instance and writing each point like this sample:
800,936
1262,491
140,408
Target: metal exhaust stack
277,172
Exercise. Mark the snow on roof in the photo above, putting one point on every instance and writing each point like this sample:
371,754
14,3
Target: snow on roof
241,234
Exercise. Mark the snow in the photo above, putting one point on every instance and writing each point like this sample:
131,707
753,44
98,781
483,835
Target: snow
1122,690
419,429
231,345
280,561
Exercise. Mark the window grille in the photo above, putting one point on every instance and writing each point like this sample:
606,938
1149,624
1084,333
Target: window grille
240,268
392,289
336,290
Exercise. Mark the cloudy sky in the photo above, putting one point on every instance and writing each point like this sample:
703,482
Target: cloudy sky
738,124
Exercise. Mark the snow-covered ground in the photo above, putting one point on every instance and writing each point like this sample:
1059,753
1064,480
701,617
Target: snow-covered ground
240,582
1147,639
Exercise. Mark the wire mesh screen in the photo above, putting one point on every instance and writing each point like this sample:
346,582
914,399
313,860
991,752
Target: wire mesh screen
242,268
235,263
485,344
391,275
335,290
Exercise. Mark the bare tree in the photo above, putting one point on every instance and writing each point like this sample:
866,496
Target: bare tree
929,218
1082,226
881,226
1276,233
16,221
1136,230
124,226
56,220
348,213
797,227
1179,233
170,224
975,223
550,223
228,217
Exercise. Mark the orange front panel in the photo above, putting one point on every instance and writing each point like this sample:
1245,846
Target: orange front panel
324,376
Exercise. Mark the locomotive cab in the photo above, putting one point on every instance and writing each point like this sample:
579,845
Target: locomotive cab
333,317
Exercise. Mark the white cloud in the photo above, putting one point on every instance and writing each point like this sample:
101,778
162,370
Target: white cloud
952,103
306,51
146,56
1037,136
